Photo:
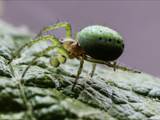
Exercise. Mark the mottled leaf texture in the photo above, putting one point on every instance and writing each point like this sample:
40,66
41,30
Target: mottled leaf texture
45,91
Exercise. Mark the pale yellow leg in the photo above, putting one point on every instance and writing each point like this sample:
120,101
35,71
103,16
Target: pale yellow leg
78,73
93,69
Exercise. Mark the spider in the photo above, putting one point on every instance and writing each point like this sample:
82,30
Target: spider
96,44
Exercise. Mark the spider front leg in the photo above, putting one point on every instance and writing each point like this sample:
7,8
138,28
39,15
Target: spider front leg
40,54
55,43
52,38
55,60
65,25
40,37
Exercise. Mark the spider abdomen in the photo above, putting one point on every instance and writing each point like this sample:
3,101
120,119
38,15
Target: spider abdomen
101,42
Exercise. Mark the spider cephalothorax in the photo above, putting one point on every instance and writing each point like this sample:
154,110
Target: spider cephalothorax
73,48
97,44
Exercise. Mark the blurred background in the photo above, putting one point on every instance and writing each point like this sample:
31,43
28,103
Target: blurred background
137,21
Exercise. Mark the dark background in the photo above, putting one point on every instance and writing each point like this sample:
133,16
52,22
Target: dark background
138,21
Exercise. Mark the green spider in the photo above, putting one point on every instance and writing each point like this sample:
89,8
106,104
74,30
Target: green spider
96,44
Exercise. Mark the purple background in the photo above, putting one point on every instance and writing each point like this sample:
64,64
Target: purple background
137,21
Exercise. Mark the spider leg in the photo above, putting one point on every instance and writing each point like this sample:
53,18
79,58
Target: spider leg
111,65
114,65
51,38
78,73
65,25
55,45
93,69
40,54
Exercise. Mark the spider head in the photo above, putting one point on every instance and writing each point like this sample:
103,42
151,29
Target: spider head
72,46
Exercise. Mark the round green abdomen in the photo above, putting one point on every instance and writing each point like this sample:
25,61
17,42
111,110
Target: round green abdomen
101,42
